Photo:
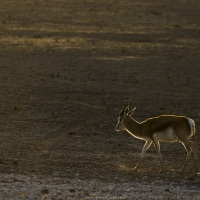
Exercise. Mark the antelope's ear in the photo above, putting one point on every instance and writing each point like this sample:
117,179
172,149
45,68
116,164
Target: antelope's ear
131,111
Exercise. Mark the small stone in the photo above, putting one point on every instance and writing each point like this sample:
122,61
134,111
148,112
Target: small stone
71,133
72,190
167,190
45,191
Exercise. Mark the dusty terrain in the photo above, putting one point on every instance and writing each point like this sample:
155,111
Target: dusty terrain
66,69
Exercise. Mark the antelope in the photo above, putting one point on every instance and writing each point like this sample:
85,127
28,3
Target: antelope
163,128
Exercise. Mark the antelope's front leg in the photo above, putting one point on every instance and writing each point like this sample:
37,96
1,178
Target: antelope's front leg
145,147
157,146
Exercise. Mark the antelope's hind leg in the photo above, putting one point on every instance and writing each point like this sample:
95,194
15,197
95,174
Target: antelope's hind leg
190,146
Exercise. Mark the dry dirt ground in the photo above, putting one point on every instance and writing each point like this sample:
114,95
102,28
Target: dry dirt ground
66,69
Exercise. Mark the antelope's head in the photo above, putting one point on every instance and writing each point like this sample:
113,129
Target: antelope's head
124,113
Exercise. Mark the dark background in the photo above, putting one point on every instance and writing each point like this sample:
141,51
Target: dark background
66,69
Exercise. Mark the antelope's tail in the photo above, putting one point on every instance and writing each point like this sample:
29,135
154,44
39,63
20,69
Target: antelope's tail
193,135
192,130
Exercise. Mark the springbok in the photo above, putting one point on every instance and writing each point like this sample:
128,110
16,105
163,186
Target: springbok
165,128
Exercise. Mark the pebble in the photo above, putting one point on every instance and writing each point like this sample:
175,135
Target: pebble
45,191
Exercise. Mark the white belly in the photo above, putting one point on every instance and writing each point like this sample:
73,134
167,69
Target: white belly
168,135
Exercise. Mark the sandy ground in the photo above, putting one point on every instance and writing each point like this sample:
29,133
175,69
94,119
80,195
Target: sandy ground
66,69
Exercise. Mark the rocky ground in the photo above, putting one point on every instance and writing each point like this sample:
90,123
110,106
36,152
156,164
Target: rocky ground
66,69
26,187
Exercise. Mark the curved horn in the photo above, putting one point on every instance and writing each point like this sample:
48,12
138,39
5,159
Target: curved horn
123,109
129,105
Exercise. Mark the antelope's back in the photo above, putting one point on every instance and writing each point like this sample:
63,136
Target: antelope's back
163,122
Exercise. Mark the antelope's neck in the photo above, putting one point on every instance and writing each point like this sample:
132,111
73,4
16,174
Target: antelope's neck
133,126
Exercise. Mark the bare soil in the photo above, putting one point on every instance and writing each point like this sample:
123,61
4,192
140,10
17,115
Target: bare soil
66,69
